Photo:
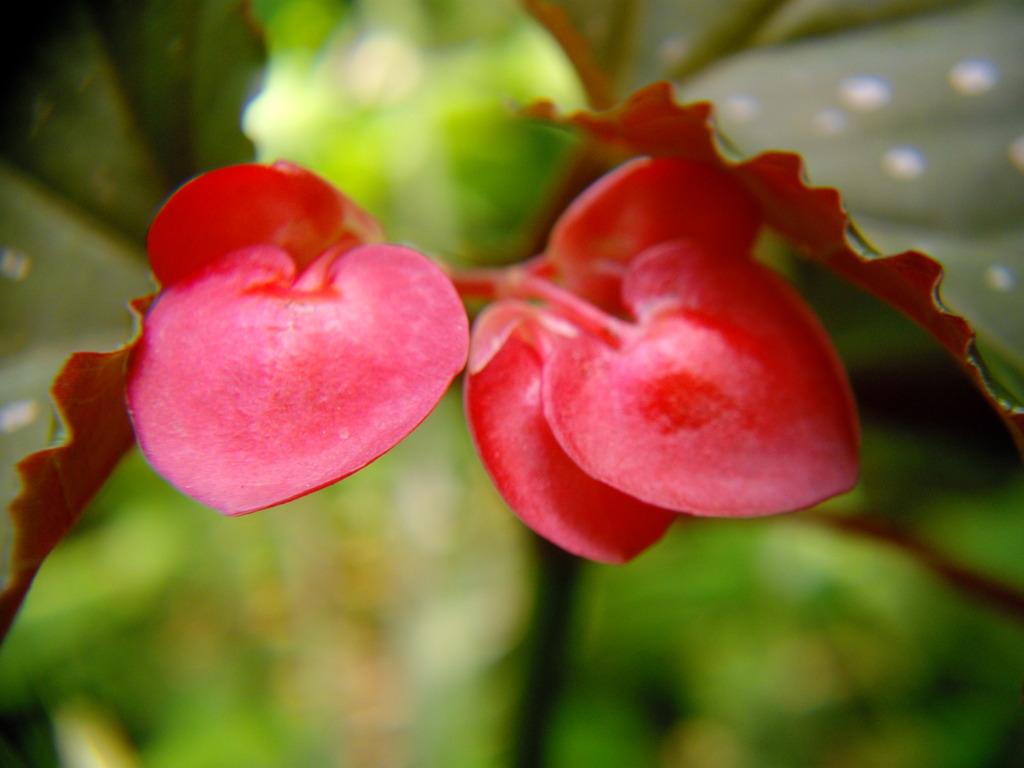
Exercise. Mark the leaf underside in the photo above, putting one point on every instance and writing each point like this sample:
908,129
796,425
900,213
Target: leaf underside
652,122
59,482
109,106
911,107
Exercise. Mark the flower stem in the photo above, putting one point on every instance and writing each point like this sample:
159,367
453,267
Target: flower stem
547,654
581,312
530,281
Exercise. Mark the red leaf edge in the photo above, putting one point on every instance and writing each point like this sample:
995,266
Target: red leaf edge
651,122
58,483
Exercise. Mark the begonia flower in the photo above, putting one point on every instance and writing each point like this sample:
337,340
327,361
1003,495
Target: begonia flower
714,391
285,351
505,406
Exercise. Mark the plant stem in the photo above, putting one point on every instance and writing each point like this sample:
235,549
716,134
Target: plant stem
998,594
547,653
531,282
597,84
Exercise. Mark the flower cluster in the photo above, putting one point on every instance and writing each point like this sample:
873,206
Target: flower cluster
644,365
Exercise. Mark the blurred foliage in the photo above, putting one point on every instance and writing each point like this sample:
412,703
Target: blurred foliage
410,107
379,622
109,106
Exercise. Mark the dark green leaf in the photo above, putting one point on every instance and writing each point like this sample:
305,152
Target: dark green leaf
111,105
813,220
920,124
639,41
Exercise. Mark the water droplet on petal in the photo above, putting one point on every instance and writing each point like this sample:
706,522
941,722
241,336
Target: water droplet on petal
865,92
830,122
17,414
741,107
14,265
904,163
972,77
1000,277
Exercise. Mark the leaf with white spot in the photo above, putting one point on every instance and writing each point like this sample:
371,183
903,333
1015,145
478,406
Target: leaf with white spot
813,220
914,109
629,43
920,124
107,107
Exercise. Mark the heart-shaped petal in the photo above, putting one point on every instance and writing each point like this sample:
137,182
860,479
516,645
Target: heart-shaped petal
279,204
249,388
729,400
641,203
541,484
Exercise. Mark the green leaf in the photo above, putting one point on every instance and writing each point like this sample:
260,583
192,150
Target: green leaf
64,284
813,220
113,105
920,124
912,108
635,42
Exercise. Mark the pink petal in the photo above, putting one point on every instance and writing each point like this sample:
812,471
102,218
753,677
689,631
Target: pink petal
250,388
536,478
730,401
641,203
280,204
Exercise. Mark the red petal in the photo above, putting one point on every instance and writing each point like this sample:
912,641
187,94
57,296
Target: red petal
242,205
729,402
536,478
644,202
247,390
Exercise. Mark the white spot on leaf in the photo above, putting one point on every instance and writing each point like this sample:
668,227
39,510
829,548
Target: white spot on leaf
999,277
904,163
673,50
741,107
17,414
1017,153
972,77
865,92
830,122
14,265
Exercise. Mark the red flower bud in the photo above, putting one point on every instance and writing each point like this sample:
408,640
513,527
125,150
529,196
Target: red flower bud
728,400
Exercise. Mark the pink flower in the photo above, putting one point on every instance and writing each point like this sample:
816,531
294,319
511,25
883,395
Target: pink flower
288,348
644,366
715,393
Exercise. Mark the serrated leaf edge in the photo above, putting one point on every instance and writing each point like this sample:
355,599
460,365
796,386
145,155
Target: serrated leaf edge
51,500
911,281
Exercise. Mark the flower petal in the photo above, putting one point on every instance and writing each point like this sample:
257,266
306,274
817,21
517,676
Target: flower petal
730,401
242,205
249,388
541,484
641,203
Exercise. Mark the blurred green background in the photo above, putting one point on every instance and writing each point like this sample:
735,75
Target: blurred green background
381,622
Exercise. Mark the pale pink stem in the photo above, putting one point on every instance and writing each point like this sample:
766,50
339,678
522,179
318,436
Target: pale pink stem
526,282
